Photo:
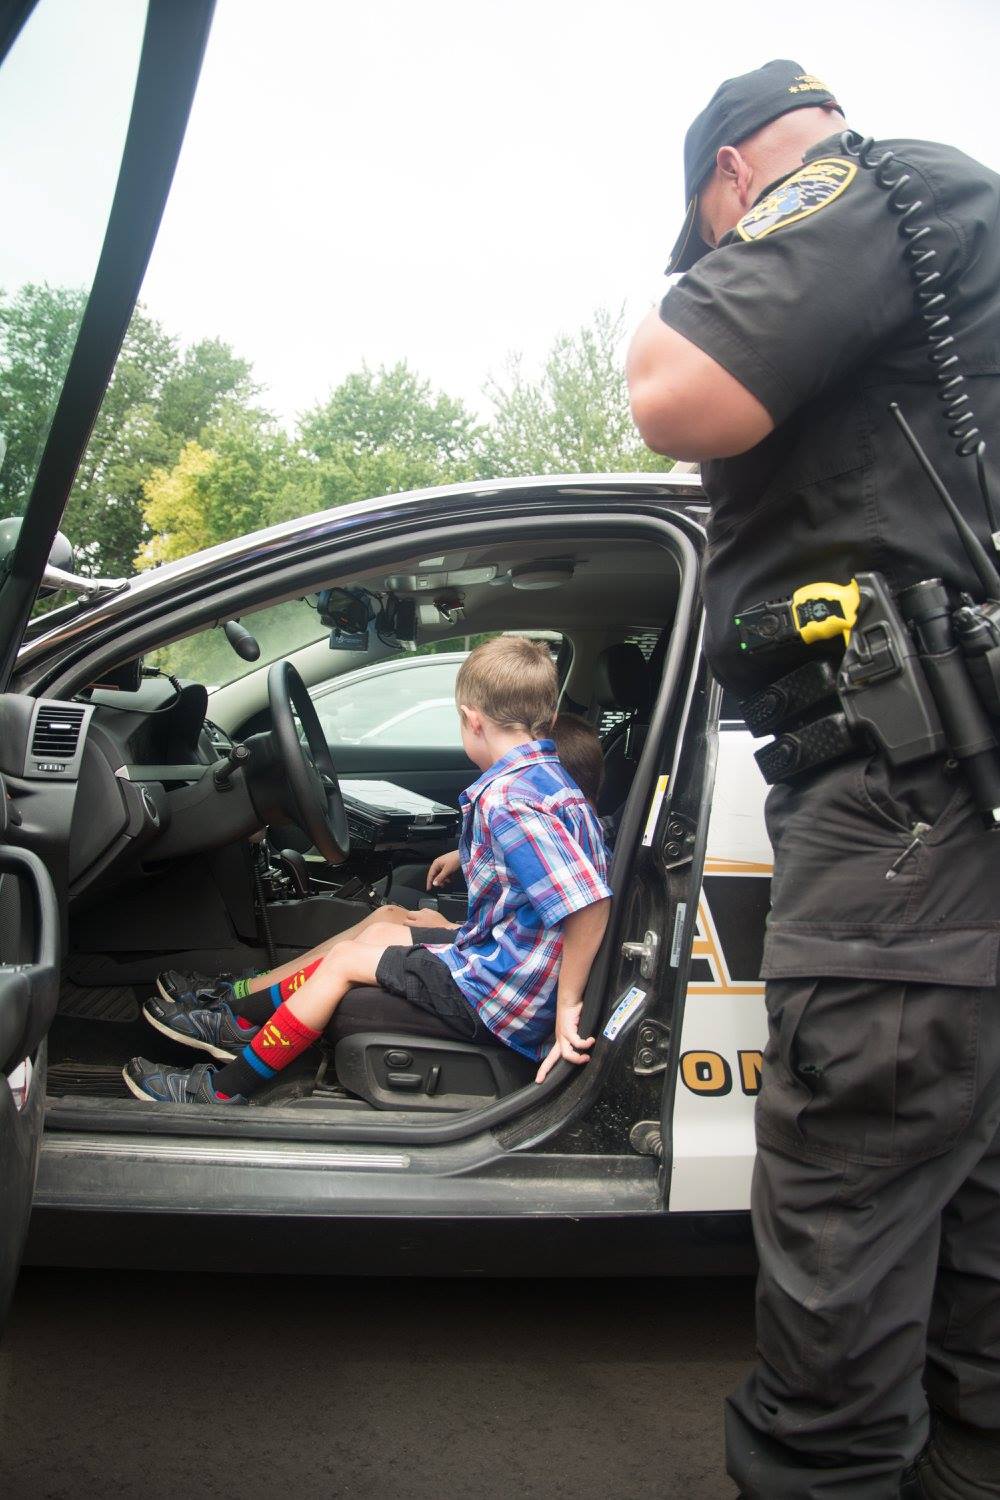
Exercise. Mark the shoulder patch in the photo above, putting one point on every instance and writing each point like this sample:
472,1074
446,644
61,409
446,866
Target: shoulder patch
812,187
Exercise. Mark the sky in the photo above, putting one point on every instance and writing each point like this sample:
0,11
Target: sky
452,181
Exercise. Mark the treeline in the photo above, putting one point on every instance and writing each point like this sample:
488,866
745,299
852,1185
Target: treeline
184,454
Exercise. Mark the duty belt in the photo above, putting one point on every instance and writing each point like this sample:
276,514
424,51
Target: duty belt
803,742
918,678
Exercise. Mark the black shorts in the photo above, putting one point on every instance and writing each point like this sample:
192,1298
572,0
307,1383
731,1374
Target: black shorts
424,980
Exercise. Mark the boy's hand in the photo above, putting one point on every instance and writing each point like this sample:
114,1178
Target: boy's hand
569,1044
426,917
443,869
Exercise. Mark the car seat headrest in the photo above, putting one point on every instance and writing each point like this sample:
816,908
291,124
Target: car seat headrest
621,679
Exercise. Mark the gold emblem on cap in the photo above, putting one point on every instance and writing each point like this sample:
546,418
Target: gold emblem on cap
807,83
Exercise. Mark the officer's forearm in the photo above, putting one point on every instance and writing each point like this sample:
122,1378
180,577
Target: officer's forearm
684,403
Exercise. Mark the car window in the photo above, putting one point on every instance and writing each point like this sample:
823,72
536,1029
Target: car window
411,703
427,725
65,98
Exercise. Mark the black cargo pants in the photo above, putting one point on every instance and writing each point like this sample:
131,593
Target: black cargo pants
876,1194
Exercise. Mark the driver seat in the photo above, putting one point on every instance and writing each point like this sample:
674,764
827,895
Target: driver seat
400,1060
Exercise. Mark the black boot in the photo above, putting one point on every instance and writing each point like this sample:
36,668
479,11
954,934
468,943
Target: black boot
959,1463
909,1486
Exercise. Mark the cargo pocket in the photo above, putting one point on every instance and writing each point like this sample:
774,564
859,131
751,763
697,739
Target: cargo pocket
784,1095
902,797
878,1073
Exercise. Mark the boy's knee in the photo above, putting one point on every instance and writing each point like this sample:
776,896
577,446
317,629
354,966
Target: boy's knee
385,933
380,935
341,958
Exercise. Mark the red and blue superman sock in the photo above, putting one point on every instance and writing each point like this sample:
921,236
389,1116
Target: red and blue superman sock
259,1007
278,1043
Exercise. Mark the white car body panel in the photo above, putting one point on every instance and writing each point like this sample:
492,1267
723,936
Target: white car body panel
724,1027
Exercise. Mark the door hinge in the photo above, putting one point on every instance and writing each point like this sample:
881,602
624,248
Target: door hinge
678,841
645,952
652,1048
646,1137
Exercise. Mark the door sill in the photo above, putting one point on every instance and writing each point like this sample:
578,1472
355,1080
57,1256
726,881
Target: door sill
346,1120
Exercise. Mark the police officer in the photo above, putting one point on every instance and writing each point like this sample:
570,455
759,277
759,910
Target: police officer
876,1195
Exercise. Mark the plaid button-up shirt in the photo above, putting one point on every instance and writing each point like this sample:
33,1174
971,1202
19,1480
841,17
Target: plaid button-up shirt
532,853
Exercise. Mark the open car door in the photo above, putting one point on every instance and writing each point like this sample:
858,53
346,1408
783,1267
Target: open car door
94,100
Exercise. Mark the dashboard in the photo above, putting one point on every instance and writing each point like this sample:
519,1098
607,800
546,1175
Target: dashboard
117,783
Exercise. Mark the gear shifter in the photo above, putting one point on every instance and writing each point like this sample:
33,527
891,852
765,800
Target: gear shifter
298,870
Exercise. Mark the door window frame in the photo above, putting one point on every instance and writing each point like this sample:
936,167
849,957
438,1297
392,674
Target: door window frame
169,65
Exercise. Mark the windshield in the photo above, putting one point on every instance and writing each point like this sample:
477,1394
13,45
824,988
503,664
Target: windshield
209,658
65,98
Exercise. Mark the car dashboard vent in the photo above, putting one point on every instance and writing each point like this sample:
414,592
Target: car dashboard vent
56,743
57,731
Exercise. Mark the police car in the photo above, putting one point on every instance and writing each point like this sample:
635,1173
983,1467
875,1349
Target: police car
157,814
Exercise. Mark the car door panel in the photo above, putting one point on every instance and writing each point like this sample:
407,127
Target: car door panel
22,1110
28,995
29,992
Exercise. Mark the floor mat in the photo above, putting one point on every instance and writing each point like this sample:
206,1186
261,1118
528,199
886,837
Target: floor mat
104,1002
88,1079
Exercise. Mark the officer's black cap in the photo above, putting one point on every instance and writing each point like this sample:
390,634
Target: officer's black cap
736,109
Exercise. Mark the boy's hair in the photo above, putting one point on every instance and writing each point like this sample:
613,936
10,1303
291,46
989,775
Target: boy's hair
579,749
513,682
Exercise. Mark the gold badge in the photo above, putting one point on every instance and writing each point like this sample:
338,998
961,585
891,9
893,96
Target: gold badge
811,188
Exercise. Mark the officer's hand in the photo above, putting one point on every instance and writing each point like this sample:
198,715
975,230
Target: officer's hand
569,1044
443,869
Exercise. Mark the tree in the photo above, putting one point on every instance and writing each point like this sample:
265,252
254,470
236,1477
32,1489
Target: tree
575,418
38,328
157,400
173,510
384,431
180,458
207,377
227,484
103,518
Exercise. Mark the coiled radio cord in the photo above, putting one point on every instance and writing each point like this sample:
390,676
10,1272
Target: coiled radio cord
930,304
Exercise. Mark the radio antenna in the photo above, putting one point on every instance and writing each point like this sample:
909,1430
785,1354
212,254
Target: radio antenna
980,559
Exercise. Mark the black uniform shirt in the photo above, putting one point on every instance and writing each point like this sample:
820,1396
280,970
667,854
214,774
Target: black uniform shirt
809,303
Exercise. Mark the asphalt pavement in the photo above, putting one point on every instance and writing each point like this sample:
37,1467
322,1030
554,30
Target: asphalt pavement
129,1384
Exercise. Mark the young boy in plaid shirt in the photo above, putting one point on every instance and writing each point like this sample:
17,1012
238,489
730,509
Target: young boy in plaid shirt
535,865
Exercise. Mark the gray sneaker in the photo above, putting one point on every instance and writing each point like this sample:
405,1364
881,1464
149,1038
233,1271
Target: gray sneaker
185,986
154,1082
209,1025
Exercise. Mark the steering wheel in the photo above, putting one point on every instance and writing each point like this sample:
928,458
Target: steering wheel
317,805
